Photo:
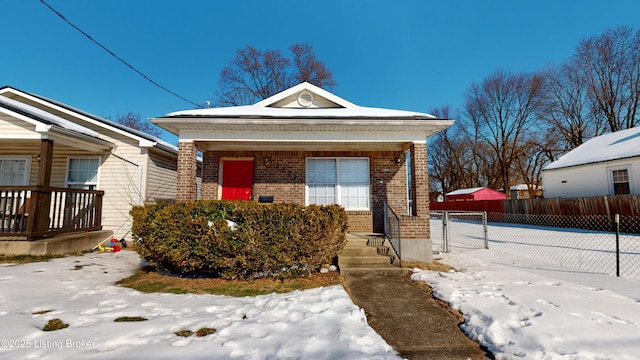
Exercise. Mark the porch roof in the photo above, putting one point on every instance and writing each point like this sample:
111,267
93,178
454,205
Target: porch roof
51,126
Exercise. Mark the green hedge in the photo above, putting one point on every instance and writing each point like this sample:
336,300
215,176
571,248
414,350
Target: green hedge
280,239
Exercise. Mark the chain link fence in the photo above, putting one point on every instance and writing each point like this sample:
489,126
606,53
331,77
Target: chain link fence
588,243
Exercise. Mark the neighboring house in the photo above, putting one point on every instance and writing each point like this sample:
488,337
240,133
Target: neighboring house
521,191
605,165
308,146
47,143
475,194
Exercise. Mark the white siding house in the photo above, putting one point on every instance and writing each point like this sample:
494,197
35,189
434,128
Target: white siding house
605,165
89,152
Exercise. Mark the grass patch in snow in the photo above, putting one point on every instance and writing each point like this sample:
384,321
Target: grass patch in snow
148,281
24,259
435,266
55,324
40,312
200,333
129,319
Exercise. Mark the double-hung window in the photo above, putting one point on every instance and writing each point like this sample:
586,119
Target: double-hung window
82,173
342,181
620,182
14,171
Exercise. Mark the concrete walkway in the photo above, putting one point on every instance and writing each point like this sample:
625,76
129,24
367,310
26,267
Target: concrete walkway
408,318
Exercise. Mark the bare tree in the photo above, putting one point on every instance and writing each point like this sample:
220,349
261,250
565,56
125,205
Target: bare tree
450,156
502,109
310,69
610,67
538,149
254,75
135,121
567,107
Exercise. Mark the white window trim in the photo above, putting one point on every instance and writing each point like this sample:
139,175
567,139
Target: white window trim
27,174
66,172
338,190
610,171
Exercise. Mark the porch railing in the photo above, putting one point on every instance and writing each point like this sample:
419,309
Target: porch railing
392,230
34,212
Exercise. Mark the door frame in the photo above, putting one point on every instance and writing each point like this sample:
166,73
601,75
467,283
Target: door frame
221,169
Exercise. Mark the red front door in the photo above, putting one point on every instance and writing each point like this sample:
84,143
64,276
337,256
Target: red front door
237,179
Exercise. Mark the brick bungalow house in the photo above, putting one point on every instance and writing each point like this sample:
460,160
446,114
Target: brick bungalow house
309,146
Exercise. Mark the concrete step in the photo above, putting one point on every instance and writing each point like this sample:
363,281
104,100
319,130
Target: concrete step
358,251
373,270
354,240
346,261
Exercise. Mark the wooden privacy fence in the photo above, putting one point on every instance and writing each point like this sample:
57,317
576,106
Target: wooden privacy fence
592,213
627,205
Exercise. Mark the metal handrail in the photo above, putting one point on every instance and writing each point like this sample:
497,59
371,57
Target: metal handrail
392,230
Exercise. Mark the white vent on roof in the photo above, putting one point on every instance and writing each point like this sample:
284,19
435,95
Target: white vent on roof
305,99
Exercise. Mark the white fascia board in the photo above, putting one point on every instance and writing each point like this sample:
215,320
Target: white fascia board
76,115
218,123
23,136
310,136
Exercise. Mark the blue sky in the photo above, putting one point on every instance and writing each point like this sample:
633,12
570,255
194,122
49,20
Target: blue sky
408,55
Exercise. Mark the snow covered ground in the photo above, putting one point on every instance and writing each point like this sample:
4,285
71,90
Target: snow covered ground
520,309
593,251
319,323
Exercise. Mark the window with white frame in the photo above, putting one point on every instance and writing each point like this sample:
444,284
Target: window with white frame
82,173
14,171
620,182
342,181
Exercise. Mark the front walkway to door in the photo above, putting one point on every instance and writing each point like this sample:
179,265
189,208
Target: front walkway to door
407,317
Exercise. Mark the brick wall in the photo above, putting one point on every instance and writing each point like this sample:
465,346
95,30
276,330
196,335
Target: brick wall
187,169
417,225
281,174
210,175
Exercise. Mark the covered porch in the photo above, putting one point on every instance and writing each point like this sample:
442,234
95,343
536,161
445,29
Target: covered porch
308,146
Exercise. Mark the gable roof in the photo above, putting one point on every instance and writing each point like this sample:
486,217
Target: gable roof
325,106
304,116
144,140
305,86
614,146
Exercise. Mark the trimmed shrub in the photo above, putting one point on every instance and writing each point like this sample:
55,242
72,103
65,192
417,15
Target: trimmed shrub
280,239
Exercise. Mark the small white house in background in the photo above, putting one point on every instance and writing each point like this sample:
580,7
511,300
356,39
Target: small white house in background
89,152
605,165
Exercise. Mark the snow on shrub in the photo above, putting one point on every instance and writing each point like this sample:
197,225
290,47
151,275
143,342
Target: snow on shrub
279,239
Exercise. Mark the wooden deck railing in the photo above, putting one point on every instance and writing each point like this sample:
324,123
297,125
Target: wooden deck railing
33,212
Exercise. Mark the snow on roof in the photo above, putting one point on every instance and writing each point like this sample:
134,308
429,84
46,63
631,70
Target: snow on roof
111,123
524,187
43,116
465,191
618,145
271,112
